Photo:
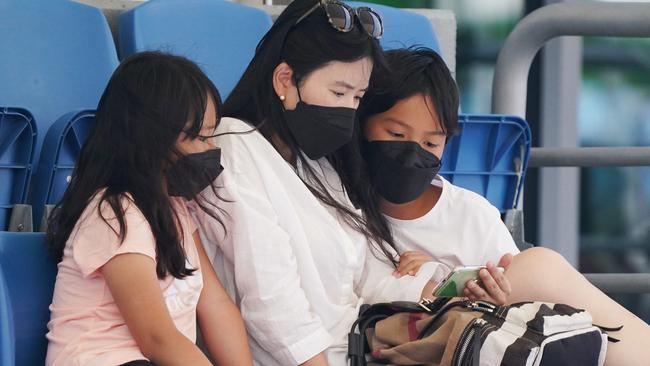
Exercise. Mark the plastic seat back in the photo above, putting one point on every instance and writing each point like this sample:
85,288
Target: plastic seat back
403,28
27,275
17,143
220,36
489,157
63,143
58,58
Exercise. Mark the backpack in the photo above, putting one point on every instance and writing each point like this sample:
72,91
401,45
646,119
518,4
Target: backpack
464,332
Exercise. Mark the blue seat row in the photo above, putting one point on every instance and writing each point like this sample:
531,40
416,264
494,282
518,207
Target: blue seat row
61,57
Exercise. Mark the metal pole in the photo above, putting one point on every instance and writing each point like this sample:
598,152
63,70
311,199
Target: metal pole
562,19
621,282
589,157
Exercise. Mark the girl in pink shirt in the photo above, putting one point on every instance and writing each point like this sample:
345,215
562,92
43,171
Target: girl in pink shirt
133,279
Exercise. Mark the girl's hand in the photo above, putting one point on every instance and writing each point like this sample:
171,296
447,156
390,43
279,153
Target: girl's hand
410,263
495,286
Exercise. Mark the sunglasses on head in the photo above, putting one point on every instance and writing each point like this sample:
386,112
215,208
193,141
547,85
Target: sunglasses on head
341,17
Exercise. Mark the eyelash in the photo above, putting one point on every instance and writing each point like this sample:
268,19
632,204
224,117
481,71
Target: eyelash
396,134
338,95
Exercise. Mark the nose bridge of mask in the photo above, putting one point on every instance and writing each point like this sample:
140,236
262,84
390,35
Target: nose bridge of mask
408,156
410,153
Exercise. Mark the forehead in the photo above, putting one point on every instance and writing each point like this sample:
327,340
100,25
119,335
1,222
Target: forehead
417,111
356,73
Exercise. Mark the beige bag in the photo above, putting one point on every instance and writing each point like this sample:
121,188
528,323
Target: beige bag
464,332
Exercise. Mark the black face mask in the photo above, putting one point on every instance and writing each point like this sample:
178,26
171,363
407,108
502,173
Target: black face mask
400,170
192,173
320,130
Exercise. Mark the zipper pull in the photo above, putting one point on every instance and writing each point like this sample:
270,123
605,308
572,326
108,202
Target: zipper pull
482,306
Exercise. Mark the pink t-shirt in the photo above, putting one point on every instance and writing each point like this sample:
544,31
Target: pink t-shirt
86,327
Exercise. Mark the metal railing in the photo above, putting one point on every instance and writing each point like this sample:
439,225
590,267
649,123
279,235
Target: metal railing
511,81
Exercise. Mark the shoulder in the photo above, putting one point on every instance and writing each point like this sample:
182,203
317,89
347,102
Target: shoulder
242,145
469,203
98,235
102,212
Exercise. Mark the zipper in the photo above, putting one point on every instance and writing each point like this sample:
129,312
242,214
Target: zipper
465,345
482,306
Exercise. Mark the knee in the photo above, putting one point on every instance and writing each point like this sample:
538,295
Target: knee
543,256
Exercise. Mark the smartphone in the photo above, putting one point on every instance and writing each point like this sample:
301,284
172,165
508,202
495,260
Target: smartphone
454,284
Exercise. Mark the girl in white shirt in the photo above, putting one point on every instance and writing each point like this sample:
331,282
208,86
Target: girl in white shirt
296,254
406,119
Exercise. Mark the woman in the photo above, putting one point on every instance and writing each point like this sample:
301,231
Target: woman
132,277
406,119
297,256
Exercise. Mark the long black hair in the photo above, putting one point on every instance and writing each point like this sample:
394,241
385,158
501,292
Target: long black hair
306,47
411,71
151,98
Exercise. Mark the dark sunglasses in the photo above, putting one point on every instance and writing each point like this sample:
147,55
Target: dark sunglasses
341,17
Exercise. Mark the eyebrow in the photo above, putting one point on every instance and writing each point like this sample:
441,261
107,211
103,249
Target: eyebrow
406,125
348,85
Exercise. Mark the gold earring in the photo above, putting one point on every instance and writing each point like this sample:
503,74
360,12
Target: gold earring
282,98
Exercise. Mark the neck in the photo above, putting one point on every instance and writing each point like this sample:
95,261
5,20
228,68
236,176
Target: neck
413,209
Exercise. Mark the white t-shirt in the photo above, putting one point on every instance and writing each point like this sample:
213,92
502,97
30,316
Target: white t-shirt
297,273
463,228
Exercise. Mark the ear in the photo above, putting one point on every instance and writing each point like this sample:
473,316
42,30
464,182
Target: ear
283,79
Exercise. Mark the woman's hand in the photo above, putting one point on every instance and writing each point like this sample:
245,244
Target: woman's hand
410,263
494,285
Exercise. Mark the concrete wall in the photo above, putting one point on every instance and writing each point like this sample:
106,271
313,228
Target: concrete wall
443,21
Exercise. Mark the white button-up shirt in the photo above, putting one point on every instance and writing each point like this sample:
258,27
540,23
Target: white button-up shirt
298,274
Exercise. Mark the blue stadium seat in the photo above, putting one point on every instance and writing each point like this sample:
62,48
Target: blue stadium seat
489,157
63,143
17,143
58,56
403,28
219,35
27,275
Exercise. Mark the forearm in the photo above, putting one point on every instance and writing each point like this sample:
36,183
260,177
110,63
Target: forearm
224,334
173,350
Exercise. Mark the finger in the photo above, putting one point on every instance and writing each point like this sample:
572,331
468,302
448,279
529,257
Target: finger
415,254
490,285
412,268
468,294
505,260
412,261
501,280
404,263
476,290
408,254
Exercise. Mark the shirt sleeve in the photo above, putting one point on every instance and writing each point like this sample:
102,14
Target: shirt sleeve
97,238
498,240
272,300
377,283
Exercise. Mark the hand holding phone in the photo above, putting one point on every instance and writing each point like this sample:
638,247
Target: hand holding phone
454,284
